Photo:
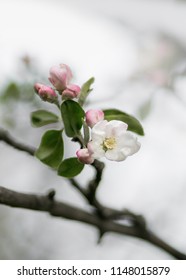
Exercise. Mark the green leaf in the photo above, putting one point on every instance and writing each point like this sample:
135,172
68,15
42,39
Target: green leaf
72,115
86,133
133,124
85,90
50,151
42,117
11,92
70,167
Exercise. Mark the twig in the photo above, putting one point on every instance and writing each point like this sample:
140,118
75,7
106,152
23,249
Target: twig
104,221
60,209
7,138
93,184
75,184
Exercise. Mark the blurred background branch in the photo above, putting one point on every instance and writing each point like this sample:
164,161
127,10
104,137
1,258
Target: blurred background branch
103,218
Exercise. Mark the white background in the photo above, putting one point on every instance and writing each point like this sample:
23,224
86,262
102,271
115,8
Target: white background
100,39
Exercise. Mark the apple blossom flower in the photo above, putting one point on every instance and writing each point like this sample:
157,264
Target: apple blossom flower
111,139
71,91
60,76
85,156
46,93
93,117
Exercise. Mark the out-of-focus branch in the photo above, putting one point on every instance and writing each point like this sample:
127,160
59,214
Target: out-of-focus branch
7,138
105,219
47,203
94,183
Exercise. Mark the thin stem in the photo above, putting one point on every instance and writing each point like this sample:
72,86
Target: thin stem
93,184
104,221
78,187
7,138
57,104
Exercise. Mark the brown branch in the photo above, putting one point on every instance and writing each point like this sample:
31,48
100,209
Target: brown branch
93,184
103,222
63,210
77,186
7,138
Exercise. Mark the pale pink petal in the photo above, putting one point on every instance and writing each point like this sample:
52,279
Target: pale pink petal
93,116
95,149
115,155
85,156
115,128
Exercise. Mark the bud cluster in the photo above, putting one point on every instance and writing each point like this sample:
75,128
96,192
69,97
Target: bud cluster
102,136
60,77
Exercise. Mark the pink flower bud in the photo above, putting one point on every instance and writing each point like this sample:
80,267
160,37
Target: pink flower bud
37,87
46,93
85,156
94,116
72,91
60,76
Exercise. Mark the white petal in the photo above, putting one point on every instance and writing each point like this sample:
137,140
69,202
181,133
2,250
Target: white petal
115,155
100,126
95,149
98,131
128,144
115,128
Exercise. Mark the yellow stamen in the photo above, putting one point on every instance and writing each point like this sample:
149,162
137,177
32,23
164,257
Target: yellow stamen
109,143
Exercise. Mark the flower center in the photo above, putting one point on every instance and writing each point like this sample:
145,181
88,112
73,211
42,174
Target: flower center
109,143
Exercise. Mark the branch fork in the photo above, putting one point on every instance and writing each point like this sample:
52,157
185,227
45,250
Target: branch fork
103,218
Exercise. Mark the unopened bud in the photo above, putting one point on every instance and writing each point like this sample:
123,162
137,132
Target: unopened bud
60,76
46,93
85,156
72,91
94,116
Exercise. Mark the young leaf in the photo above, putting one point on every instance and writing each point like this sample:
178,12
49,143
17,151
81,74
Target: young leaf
133,124
86,132
12,92
85,90
42,117
72,115
50,151
70,167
